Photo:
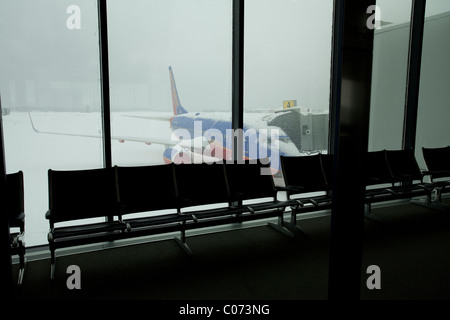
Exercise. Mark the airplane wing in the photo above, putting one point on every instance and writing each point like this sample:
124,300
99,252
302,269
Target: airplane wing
170,141
160,118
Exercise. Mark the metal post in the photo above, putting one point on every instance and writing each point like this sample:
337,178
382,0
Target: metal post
351,86
104,82
414,67
7,277
238,78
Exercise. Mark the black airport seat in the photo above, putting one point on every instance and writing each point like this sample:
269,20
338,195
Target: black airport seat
16,216
306,185
406,174
79,195
437,161
252,189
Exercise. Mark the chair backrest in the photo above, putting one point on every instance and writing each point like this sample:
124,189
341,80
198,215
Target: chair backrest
249,180
146,188
201,183
437,161
376,168
15,199
305,172
81,194
403,165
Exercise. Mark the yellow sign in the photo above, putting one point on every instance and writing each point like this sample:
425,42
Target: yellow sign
289,104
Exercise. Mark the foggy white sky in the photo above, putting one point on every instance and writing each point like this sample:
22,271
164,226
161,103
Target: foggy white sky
47,64
287,52
284,58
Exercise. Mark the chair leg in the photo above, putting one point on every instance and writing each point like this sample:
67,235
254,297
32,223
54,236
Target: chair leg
52,264
182,243
433,204
20,278
290,228
22,264
292,225
428,199
281,227
438,196
369,215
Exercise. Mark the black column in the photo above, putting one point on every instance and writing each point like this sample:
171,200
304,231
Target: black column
351,85
414,67
104,82
238,77
7,281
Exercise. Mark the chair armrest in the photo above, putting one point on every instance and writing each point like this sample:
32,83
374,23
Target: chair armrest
426,187
20,217
126,224
18,240
290,188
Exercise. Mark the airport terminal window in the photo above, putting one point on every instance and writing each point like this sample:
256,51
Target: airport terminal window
434,94
287,74
389,75
49,77
170,64
155,47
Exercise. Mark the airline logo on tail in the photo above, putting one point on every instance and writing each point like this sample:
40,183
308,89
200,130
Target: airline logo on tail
177,108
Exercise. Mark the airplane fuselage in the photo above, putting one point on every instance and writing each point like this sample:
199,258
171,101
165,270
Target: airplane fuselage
215,131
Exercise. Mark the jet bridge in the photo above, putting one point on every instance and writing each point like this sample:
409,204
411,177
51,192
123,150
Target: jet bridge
307,130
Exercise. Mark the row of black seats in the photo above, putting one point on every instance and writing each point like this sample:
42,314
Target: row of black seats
177,197
122,191
395,174
388,175
175,192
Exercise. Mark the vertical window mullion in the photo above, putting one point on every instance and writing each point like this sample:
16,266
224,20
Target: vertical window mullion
6,249
104,83
238,77
413,78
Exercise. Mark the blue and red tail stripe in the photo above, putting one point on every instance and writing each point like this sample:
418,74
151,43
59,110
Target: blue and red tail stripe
177,108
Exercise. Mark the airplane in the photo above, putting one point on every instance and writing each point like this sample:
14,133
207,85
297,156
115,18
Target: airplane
211,134
208,136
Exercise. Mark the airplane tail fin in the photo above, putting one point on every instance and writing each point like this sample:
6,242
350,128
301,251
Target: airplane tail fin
177,108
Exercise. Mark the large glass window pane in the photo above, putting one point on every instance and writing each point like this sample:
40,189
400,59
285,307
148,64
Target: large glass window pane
49,77
153,105
287,76
433,129
389,73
